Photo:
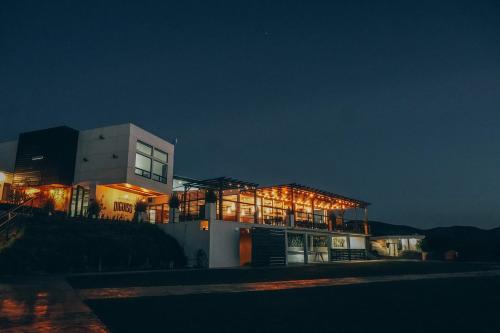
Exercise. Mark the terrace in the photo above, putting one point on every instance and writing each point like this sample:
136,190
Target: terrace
290,205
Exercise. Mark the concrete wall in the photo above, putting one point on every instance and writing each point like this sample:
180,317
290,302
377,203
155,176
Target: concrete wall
224,244
357,242
190,238
8,152
98,146
110,154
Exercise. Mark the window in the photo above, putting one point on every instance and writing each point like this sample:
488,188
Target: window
160,156
142,165
151,162
144,148
159,172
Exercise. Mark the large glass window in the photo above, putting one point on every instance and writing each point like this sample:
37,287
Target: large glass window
160,156
151,162
159,171
142,165
144,148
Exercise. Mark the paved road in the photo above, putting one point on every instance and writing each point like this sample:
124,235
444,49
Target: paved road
44,304
135,292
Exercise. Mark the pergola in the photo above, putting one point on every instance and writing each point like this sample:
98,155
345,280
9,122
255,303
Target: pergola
292,191
219,185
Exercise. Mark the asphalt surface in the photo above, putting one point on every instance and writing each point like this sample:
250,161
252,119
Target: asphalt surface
242,275
441,305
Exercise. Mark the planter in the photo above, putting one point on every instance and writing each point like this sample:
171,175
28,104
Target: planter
424,256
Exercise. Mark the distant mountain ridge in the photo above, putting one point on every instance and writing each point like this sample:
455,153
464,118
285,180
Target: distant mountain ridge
378,228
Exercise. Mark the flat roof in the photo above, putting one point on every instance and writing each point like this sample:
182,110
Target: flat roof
398,237
224,183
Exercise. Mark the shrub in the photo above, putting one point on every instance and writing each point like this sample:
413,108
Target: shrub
49,206
141,206
94,208
89,245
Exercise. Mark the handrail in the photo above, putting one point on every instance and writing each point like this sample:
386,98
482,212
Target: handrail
12,210
10,214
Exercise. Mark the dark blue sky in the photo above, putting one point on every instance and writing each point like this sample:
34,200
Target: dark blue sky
396,103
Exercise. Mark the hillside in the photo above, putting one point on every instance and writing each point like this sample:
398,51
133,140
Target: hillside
52,245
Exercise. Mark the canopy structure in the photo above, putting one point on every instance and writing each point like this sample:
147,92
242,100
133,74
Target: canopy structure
221,184
296,192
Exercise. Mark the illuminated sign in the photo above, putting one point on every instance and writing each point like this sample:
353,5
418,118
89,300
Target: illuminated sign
123,207
339,242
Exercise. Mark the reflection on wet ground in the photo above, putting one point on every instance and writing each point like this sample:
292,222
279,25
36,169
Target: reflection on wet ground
132,292
43,304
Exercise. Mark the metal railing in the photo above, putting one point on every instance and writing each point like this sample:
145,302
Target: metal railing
7,218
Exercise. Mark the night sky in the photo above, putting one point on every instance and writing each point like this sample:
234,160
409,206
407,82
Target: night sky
396,103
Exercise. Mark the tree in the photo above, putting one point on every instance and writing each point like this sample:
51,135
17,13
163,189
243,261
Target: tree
140,207
94,208
49,206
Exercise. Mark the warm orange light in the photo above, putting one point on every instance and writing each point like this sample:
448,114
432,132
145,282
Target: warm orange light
31,191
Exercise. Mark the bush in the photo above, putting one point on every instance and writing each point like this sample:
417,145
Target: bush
94,208
89,245
49,206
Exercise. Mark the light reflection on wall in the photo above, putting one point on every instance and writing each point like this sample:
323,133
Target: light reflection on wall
116,204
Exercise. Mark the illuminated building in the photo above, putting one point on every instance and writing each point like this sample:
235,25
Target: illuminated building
117,166
396,245
243,223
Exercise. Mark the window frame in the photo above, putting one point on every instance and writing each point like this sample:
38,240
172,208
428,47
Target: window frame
150,174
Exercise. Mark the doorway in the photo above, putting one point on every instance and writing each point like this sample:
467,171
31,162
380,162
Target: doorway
245,247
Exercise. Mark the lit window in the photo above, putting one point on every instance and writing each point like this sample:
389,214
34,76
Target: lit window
144,148
142,165
159,172
160,156
151,162
204,225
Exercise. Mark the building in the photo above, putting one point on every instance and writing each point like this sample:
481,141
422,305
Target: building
117,166
396,245
265,225
220,222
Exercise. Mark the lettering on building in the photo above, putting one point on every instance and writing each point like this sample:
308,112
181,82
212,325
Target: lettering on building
123,207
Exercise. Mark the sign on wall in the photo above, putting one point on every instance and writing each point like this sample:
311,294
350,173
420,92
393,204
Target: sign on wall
123,207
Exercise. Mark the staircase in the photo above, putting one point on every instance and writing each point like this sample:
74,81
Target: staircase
7,219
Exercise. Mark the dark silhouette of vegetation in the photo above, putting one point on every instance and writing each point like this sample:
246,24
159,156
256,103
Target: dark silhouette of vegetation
89,245
94,208
140,207
49,206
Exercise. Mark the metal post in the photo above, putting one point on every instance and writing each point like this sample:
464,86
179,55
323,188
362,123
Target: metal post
256,213
365,224
349,246
238,208
306,248
221,217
